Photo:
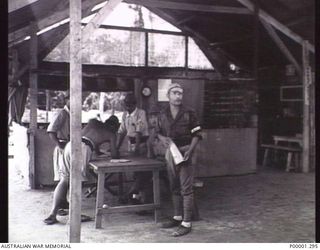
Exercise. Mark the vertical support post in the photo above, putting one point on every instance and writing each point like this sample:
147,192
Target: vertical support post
146,61
48,104
100,199
101,82
186,62
312,125
256,41
75,121
156,194
33,80
306,106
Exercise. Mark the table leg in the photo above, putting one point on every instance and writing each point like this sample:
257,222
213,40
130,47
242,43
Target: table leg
120,184
289,164
156,194
265,157
100,199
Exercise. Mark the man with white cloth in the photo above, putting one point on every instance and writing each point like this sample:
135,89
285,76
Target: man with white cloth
179,125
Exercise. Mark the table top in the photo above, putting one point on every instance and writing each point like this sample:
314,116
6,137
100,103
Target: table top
135,164
288,139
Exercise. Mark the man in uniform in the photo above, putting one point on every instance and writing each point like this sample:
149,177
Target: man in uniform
179,125
93,134
59,133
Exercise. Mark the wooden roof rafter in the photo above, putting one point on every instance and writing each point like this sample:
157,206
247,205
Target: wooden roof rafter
57,36
190,7
52,18
101,71
216,59
14,5
282,46
276,24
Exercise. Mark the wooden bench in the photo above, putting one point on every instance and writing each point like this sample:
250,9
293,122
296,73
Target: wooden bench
291,151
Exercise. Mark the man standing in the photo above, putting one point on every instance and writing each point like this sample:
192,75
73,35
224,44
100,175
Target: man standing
178,124
134,125
93,135
59,133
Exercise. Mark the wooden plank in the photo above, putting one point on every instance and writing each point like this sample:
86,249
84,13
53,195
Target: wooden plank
99,71
48,21
99,200
127,208
312,126
256,41
167,32
97,20
14,5
58,36
186,19
186,54
33,83
146,51
190,7
306,109
48,104
75,121
276,24
230,41
282,46
156,193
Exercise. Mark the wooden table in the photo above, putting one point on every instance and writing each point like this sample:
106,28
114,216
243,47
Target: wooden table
103,166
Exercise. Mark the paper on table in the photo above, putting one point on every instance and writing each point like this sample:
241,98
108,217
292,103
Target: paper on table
176,154
119,160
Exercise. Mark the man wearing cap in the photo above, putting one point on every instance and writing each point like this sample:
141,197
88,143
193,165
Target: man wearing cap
178,124
134,125
59,133
93,135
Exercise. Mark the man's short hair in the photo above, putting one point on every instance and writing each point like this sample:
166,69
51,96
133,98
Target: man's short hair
113,123
130,99
174,85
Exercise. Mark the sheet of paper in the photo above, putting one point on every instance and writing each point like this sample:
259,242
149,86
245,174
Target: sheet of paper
119,160
176,154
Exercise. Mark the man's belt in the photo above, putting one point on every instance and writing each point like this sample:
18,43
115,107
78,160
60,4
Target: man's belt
88,142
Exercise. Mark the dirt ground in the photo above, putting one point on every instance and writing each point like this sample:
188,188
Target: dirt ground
269,206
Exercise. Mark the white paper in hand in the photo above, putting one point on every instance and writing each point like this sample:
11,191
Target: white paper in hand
176,154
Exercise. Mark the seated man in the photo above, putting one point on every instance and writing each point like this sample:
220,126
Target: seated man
93,134
134,125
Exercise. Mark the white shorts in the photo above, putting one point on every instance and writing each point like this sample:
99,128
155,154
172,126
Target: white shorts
66,163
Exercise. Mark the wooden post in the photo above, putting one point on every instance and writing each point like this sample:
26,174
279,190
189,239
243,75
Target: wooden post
186,55
48,104
101,100
306,108
75,121
146,49
256,41
312,124
33,81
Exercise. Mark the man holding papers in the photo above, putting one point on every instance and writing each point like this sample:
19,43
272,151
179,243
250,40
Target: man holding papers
180,131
